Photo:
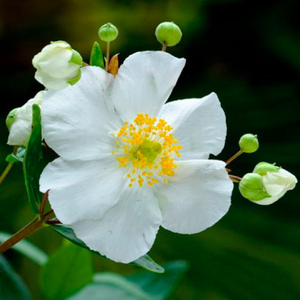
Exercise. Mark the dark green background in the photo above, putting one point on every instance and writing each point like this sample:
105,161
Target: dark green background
248,52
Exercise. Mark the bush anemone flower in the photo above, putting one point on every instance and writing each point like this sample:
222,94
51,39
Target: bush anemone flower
129,163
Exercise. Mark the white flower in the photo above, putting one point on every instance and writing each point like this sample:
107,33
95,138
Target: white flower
129,163
58,66
20,128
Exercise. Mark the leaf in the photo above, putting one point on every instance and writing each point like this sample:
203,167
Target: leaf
160,286
12,286
18,157
66,272
139,286
145,261
96,58
111,286
33,160
113,66
26,248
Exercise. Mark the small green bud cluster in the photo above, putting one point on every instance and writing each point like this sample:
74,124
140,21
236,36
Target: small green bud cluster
266,184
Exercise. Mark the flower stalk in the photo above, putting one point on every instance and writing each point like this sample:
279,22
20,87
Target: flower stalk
36,224
233,157
107,56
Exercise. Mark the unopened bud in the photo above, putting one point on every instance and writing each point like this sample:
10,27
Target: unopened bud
108,32
168,33
249,143
252,187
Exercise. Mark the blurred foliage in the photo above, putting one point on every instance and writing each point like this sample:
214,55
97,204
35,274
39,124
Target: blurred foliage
248,52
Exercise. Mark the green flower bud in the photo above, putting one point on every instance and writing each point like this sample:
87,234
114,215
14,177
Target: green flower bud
263,167
108,32
249,143
168,33
11,117
252,187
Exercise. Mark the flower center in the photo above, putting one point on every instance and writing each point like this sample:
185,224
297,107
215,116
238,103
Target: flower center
147,149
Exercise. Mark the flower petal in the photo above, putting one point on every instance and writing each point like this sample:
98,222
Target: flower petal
199,125
144,83
277,184
197,197
82,190
127,231
77,119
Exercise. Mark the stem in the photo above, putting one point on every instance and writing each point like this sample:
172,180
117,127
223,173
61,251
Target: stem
6,171
164,47
36,224
235,178
234,157
9,166
107,56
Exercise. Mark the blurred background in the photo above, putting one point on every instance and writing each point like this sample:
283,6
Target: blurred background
248,52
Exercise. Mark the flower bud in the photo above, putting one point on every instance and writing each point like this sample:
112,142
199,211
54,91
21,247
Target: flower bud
20,127
249,143
108,32
168,33
58,66
252,187
277,181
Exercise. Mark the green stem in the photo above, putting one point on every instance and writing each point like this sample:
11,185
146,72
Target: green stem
8,168
107,56
234,157
5,172
36,224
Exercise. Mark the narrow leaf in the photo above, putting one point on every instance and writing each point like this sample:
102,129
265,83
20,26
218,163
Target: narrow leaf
33,160
96,58
26,248
12,286
145,261
66,272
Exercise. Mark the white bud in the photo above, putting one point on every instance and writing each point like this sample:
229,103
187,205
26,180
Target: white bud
277,181
20,129
58,66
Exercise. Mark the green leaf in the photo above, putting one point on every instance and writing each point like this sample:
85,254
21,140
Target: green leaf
26,248
12,286
160,286
139,286
66,272
111,286
18,157
96,58
33,160
145,261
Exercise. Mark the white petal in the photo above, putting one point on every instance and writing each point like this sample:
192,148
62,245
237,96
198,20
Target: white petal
277,184
127,231
77,120
197,196
199,125
49,82
144,83
82,190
